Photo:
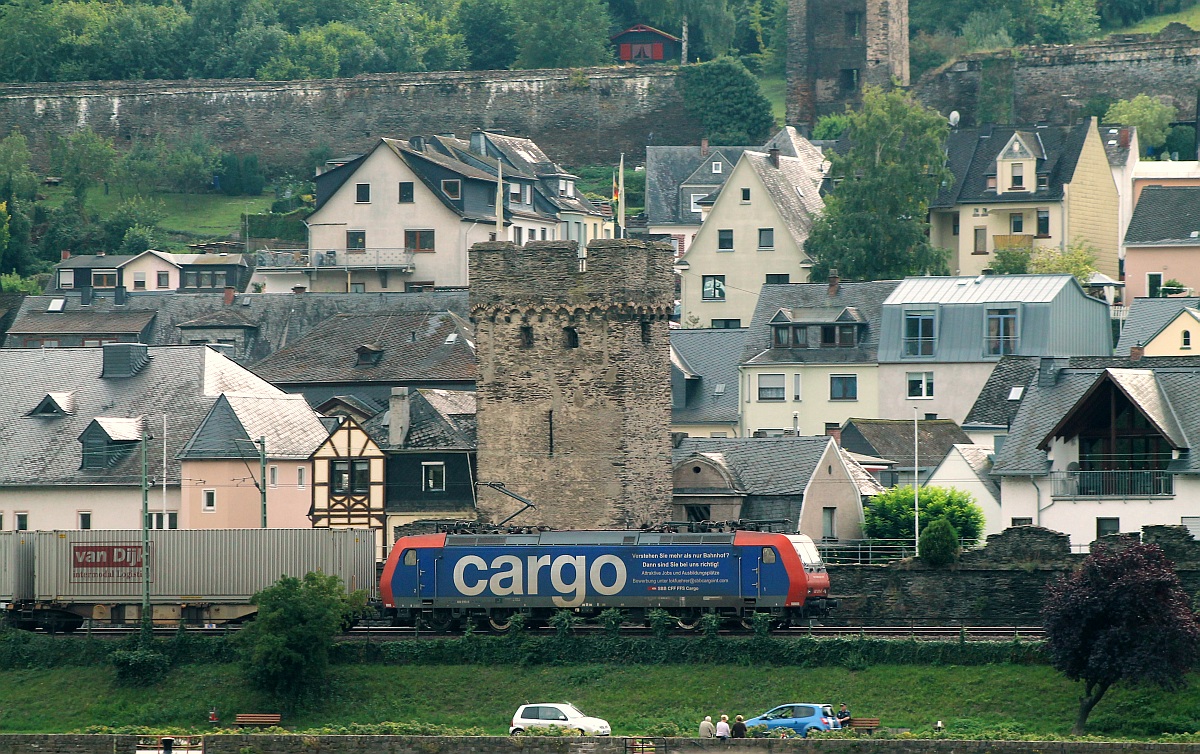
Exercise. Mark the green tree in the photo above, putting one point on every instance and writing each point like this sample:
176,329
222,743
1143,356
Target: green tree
1079,259
285,649
831,127
489,30
306,55
890,515
1066,21
17,255
17,179
1122,617
83,159
133,212
1181,141
939,543
563,34
1151,116
727,100
874,226
137,239
4,233
1012,260
14,283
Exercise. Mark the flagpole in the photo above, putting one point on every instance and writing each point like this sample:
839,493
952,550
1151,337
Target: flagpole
621,199
499,200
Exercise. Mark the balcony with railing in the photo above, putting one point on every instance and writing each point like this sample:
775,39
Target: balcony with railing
919,346
1012,241
1001,345
375,258
1114,484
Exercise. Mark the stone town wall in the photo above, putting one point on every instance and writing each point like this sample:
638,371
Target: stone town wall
574,391
999,585
1053,82
265,744
577,117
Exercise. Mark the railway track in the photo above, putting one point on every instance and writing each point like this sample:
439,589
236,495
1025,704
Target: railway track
388,633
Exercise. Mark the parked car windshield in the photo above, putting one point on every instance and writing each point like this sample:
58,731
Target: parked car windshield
572,711
777,713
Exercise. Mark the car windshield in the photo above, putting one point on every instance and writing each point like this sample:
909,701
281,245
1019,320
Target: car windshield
777,713
572,711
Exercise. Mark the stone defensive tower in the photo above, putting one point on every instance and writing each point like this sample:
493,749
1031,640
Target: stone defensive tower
574,391
835,47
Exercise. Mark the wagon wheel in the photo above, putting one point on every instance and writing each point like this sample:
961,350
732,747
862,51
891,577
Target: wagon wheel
440,621
689,619
500,622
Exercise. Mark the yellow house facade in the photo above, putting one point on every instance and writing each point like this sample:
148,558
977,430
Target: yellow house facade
1027,188
754,234
1179,337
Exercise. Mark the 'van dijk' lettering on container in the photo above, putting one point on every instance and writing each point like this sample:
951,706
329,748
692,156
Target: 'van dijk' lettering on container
100,562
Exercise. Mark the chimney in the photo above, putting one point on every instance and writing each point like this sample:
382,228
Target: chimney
834,282
399,416
704,147
299,289
66,254
230,292
1124,137
1049,368
834,430
1137,352
478,142
119,295
774,155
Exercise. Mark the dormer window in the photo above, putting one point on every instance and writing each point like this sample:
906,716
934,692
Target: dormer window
369,355
107,440
991,183
1018,176
716,166
1043,182
452,188
55,404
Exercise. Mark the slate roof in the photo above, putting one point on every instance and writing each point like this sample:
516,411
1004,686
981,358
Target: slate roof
790,143
971,157
867,298
979,460
981,289
1166,216
78,321
712,357
438,420
759,465
291,428
1167,388
868,485
181,382
414,346
281,318
667,168
96,260
893,438
794,188
1147,317
993,408
1116,150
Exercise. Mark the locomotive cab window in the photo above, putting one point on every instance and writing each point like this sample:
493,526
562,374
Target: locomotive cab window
768,555
410,557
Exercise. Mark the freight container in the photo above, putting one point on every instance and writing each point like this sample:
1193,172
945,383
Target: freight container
16,566
197,576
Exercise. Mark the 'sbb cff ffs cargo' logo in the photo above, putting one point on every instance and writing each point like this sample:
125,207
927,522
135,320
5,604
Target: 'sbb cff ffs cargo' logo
96,562
510,574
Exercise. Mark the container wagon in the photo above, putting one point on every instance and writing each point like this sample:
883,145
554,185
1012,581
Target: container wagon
196,576
441,579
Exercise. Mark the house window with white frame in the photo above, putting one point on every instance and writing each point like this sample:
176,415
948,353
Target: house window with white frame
104,278
85,519
433,475
1016,223
168,520
829,523
796,381
772,388
20,521
66,278
717,167
725,239
920,384
766,238
696,202
920,336
1018,176
209,504
139,281
301,477
1001,336
164,280
273,475
452,188
362,193
713,288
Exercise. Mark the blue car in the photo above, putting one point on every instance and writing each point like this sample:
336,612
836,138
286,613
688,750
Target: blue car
801,717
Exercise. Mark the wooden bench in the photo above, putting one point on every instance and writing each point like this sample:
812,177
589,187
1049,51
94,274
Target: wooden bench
245,719
869,724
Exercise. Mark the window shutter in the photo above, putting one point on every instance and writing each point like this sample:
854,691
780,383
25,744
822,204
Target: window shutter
656,51
626,51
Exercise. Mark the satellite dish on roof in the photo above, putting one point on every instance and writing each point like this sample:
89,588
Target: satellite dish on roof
954,118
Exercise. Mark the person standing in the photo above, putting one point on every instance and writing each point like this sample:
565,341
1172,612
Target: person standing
739,727
707,729
723,727
843,715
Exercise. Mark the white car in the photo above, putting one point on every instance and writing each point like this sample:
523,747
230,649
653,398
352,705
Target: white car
563,715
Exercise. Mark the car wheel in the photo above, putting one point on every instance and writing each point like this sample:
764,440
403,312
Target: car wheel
517,732
579,732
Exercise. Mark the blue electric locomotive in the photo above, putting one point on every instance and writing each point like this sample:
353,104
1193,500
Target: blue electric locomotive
444,578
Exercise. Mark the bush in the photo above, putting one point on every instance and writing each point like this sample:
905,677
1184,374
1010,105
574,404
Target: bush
661,622
564,622
939,543
727,100
140,667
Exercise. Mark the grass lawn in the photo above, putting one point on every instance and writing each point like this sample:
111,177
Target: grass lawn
201,216
775,90
1020,700
1189,16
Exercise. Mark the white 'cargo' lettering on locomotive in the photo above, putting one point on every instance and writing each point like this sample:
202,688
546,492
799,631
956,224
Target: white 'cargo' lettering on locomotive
519,578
